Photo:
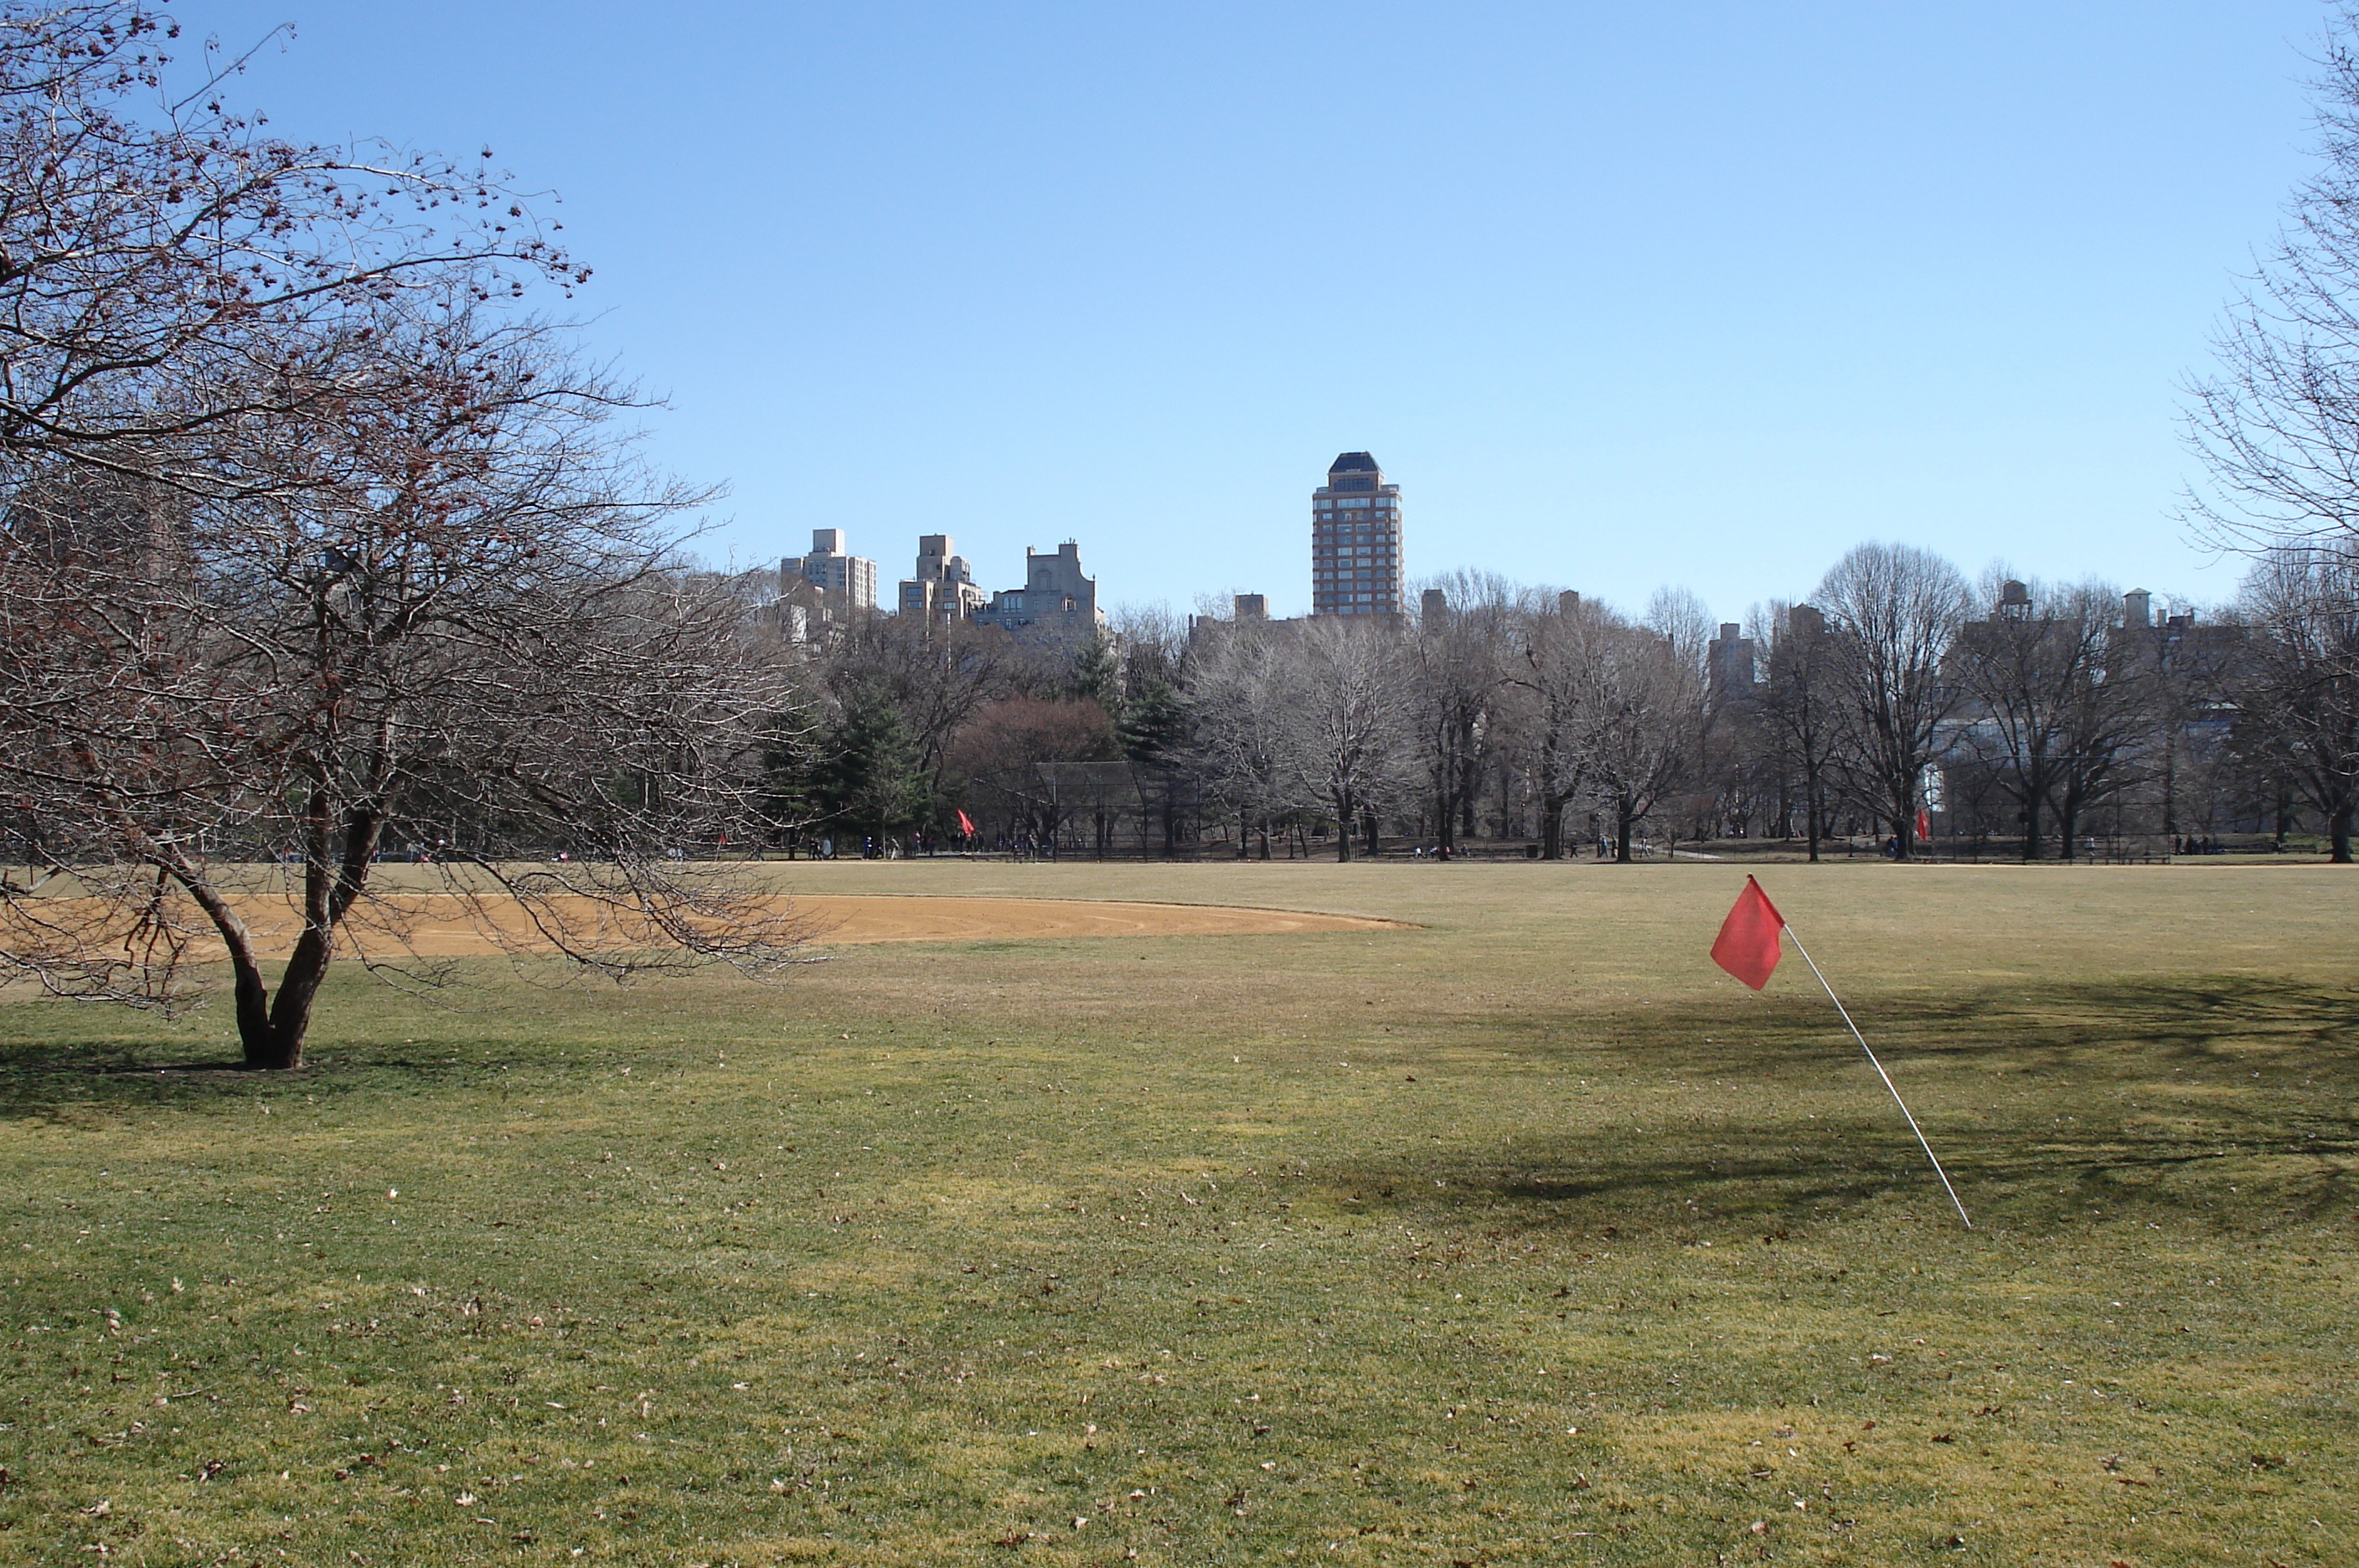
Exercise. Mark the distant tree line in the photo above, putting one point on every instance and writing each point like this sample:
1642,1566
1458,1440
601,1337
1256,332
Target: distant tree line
2010,716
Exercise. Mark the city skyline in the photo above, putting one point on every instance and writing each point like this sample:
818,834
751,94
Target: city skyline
1357,565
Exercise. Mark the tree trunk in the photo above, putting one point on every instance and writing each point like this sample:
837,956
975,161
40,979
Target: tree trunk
324,904
254,1034
2033,848
279,1045
271,1031
1342,828
2171,780
2339,826
1623,823
263,1049
1551,828
1375,843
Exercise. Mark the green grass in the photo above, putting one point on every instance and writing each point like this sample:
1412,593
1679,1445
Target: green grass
1524,1236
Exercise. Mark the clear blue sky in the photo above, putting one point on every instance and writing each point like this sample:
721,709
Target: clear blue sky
1620,294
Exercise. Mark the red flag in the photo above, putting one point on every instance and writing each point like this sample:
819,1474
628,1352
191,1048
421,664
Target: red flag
966,825
1748,945
1924,825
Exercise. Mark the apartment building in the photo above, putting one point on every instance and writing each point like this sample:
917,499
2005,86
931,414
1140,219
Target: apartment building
1056,605
943,589
1356,541
850,578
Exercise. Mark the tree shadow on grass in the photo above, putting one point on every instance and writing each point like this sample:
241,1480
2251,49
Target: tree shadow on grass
84,1077
74,1062
2188,1024
2224,1097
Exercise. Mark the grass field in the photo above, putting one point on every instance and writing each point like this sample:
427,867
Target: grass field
1521,1236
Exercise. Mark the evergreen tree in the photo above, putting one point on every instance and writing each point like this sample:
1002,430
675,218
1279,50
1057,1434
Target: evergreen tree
1150,724
792,750
1097,673
871,777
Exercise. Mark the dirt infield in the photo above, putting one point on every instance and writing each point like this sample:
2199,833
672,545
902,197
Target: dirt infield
443,926
856,917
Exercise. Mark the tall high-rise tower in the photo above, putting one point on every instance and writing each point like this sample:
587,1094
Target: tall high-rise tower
1356,541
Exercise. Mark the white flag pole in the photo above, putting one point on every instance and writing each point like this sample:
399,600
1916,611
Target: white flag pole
1880,1073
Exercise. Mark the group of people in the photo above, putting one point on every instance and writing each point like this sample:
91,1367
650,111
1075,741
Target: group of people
898,847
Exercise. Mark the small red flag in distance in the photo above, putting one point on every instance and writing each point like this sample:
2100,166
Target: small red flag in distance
966,825
1924,825
1747,946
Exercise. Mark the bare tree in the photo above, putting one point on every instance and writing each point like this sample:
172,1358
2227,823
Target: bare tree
2057,699
2300,690
1343,695
1015,755
169,273
1645,716
2192,667
306,550
937,676
1563,674
1457,659
1237,725
2277,425
1799,709
478,645
1893,611
1742,787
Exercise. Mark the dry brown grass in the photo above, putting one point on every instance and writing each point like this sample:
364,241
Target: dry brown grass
448,925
